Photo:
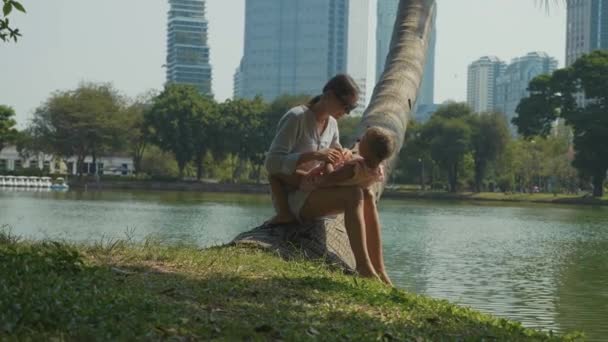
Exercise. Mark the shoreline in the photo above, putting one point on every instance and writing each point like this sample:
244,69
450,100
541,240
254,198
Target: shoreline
242,188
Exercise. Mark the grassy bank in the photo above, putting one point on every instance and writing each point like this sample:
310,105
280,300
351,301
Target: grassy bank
118,291
494,196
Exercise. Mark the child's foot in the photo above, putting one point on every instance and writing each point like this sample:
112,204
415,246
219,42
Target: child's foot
282,219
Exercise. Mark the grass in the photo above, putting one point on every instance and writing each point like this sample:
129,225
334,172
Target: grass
123,291
497,196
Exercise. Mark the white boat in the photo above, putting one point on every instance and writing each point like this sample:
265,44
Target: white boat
45,182
33,182
20,181
9,181
59,184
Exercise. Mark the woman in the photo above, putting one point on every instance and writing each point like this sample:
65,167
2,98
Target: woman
306,136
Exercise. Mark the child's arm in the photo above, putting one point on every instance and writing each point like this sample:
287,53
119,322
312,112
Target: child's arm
332,179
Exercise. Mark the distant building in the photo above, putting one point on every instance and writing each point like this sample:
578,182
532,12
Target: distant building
587,28
292,47
238,83
187,45
386,16
11,161
512,84
482,78
359,49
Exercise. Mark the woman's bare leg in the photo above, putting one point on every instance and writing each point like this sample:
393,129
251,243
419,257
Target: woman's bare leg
373,235
279,199
278,188
349,200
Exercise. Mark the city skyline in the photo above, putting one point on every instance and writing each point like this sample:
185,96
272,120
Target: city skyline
129,53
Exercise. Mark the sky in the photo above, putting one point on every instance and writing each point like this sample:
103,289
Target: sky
66,42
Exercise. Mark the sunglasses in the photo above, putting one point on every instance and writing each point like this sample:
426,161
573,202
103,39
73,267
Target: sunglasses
348,106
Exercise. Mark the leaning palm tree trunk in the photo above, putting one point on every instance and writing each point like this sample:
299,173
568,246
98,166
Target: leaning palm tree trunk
391,103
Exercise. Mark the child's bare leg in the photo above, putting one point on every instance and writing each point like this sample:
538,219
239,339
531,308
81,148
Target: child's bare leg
373,235
278,188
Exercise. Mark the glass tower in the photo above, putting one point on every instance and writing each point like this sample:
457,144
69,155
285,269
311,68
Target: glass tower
187,46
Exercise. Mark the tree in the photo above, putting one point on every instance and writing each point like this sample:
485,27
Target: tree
8,132
80,122
449,139
138,137
6,31
555,96
174,121
490,135
244,131
206,122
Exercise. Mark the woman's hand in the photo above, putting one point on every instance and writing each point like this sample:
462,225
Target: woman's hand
330,155
347,154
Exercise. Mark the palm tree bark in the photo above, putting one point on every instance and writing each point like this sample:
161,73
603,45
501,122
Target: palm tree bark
393,98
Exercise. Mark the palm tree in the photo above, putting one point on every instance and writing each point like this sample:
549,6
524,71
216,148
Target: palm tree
390,107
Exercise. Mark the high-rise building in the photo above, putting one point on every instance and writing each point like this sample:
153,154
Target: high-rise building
512,84
481,82
292,47
359,48
187,46
237,83
386,16
587,29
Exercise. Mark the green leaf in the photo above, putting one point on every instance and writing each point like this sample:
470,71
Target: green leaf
8,7
18,6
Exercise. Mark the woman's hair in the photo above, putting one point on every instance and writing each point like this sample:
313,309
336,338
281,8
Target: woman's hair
380,142
341,85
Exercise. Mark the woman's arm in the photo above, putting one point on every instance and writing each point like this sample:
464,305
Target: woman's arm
281,160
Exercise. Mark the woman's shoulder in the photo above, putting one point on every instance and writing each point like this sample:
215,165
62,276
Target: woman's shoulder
294,114
297,111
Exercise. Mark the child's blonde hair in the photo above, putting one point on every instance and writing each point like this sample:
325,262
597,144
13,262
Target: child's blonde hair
381,143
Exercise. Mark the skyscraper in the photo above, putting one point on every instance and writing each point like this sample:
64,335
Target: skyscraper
292,47
482,77
386,16
187,47
359,48
512,84
587,29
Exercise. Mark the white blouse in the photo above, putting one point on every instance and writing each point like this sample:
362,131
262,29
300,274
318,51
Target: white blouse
297,133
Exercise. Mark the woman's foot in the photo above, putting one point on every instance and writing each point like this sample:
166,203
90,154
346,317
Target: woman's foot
384,277
281,219
368,272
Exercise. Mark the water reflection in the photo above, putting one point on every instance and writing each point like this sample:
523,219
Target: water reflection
546,266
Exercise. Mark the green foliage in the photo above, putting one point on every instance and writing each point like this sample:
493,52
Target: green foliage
6,31
244,132
86,121
139,132
8,133
158,163
176,119
115,290
490,136
448,137
553,96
